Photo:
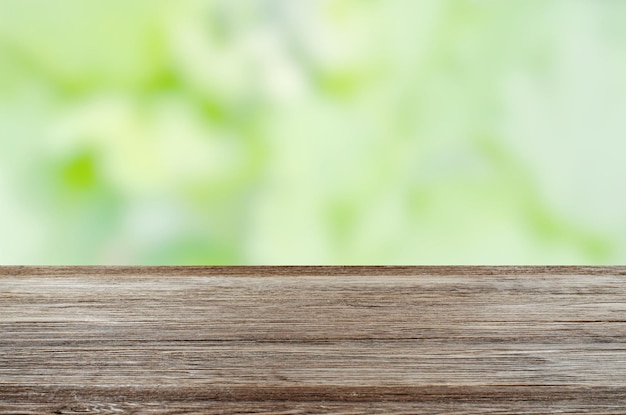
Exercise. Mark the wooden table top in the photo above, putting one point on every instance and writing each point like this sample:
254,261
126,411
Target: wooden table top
312,340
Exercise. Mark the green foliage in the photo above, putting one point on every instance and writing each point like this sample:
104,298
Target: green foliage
312,132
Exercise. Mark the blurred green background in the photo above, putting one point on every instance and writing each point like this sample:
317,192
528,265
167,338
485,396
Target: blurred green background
312,132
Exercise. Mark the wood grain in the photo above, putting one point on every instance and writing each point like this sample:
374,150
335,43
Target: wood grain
312,340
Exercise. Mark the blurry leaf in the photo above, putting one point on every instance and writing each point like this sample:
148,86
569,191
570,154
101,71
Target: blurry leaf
80,173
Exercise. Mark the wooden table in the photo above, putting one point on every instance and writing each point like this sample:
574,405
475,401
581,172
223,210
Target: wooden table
312,340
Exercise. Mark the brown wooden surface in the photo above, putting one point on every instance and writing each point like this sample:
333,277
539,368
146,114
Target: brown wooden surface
327,340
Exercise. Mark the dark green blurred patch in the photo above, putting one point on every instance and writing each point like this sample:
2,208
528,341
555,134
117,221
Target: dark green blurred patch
82,206
73,179
214,109
79,173
343,84
163,79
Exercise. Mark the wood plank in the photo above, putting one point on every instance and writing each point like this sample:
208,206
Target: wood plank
305,340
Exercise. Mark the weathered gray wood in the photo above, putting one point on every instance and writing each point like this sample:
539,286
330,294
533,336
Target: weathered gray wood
304,340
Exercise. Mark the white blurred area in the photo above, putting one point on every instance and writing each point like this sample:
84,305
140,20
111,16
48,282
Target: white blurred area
312,132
